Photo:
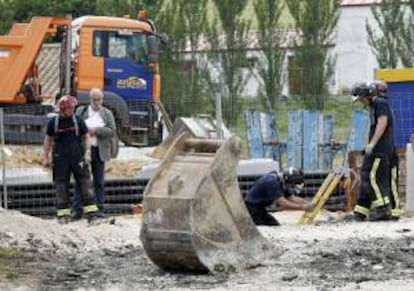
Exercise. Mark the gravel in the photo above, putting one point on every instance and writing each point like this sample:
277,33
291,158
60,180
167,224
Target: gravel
327,256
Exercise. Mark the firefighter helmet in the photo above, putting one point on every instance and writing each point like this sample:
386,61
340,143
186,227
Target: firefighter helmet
362,90
381,88
293,175
67,102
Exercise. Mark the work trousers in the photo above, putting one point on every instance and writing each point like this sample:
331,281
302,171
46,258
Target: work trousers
260,215
375,187
394,197
98,171
65,164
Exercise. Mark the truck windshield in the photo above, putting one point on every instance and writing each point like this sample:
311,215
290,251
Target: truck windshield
111,44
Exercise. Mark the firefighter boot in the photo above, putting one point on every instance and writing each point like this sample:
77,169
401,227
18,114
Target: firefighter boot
63,219
356,217
380,213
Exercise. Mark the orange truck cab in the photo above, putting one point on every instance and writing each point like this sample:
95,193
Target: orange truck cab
117,55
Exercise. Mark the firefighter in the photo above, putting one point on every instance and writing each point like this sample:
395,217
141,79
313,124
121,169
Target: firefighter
381,89
68,135
279,189
373,198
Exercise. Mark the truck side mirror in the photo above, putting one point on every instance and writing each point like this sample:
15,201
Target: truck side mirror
152,49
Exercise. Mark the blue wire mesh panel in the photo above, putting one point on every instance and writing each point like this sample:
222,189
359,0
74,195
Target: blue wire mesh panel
402,103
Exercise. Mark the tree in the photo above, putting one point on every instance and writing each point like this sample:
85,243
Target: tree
225,70
6,16
184,21
271,39
116,7
24,10
315,21
390,19
406,39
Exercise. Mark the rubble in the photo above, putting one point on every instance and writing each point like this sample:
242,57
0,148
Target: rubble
334,256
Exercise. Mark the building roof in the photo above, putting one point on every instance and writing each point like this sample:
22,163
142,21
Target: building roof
361,2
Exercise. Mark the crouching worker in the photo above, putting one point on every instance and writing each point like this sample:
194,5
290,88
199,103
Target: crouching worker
279,189
68,135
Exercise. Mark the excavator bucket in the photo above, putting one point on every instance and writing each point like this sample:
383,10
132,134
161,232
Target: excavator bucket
194,215
198,127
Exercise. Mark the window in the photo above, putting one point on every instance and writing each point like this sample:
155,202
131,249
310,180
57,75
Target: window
4,53
113,44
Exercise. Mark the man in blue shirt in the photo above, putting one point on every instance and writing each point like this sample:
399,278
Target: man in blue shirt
279,189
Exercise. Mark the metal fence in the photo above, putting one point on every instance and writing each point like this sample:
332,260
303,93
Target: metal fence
315,141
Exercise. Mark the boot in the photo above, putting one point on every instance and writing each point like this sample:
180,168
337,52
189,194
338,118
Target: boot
267,219
91,217
356,217
380,213
76,216
63,219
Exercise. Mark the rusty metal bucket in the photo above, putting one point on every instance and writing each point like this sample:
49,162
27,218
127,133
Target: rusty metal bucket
202,127
194,215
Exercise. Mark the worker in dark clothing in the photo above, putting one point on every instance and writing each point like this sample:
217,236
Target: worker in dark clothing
68,135
279,189
374,193
381,89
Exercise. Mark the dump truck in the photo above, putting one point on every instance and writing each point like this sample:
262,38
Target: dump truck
116,54
194,216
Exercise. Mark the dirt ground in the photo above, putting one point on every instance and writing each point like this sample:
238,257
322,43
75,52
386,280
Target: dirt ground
38,254
129,160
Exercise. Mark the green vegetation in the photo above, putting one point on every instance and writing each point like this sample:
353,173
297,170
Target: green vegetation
391,38
316,21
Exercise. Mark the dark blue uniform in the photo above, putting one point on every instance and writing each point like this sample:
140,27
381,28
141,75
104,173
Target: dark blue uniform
264,192
375,171
68,157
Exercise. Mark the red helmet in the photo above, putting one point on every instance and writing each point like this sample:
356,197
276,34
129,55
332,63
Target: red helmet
67,102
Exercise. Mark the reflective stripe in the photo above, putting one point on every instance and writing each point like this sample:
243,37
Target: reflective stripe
394,187
361,210
379,203
90,208
373,179
396,212
63,212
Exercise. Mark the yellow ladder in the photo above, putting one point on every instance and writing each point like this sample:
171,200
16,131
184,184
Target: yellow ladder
320,198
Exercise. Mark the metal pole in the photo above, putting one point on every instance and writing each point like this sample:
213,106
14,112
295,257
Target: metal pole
3,161
219,120
68,56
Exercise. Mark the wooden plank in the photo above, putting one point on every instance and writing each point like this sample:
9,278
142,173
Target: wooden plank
310,140
253,133
359,130
270,136
295,138
326,123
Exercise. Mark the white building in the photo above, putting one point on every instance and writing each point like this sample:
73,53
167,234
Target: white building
355,61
